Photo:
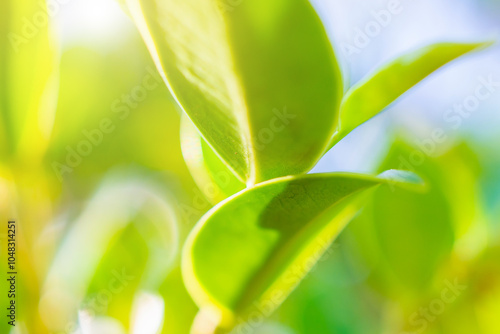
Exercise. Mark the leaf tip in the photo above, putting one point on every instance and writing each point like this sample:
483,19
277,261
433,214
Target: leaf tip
404,179
481,45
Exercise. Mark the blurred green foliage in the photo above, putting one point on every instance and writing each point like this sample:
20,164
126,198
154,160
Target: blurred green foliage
93,172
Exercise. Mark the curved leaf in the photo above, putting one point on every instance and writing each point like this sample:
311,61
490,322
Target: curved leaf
254,78
333,296
405,236
115,205
180,310
458,172
253,248
378,90
213,177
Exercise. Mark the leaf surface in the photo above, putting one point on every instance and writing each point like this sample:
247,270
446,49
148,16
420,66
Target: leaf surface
215,180
378,90
259,79
253,248
123,199
406,236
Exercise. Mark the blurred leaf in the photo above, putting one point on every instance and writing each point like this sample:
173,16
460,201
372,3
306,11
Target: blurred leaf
180,310
333,297
485,289
28,84
252,249
123,257
459,170
254,77
108,81
407,236
213,177
379,89
122,199
461,318
28,79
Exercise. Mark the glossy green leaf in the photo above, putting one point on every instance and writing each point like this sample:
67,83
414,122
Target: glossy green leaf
253,248
378,90
216,181
259,79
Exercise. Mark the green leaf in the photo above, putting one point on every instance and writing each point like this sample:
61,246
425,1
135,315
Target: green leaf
459,170
333,296
253,248
180,309
378,90
258,79
406,236
107,78
122,200
216,181
28,80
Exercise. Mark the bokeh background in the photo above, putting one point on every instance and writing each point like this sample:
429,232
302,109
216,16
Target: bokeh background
99,241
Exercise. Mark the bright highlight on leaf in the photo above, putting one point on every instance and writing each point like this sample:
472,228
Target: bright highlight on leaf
264,106
260,82
261,100
253,248
378,90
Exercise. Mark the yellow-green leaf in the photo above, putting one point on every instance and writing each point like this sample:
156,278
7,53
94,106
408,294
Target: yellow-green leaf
253,248
215,180
28,79
378,90
259,79
123,198
406,236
